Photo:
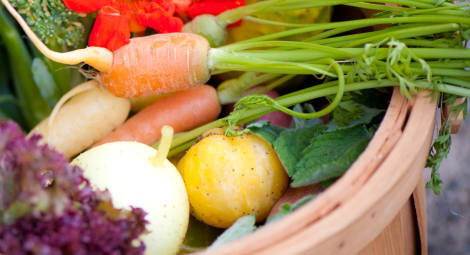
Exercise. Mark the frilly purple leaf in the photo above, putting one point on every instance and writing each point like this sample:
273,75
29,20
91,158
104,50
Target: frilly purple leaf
48,207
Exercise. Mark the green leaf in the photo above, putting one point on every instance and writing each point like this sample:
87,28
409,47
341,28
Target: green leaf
198,236
240,228
45,82
267,131
305,123
329,155
16,210
352,114
3,68
372,98
439,151
327,183
291,143
287,208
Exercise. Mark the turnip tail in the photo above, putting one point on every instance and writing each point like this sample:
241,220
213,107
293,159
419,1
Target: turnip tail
97,57
164,146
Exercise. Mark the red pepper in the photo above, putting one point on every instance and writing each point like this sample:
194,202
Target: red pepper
213,7
110,37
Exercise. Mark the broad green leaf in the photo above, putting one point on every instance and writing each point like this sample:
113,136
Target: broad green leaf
351,115
304,123
3,68
329,155
291,143
327,183
269,132
199,236
240,228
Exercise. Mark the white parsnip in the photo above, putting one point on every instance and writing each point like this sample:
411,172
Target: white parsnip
85,119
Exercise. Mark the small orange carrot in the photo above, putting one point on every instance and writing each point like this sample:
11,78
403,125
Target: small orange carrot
182,110
158,64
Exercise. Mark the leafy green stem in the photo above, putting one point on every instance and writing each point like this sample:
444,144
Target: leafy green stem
406,33
262,100
231,90
304,95
365,23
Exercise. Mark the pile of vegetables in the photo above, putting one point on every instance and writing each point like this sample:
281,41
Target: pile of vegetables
260,105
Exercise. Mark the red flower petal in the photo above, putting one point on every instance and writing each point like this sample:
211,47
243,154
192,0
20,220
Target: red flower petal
166,5
161,22
181,6
85,6
213,7
111,29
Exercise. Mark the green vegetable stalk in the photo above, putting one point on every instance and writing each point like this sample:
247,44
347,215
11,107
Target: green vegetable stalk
33,106
8,103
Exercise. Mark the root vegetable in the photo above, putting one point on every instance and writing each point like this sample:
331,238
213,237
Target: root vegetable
158,64
85,119
137,175
182,110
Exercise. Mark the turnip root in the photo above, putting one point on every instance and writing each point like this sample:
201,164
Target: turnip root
85,119
137,175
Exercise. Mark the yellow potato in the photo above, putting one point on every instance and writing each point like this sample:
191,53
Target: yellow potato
230,177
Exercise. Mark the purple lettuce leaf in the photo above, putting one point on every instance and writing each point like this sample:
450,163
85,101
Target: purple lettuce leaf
48,207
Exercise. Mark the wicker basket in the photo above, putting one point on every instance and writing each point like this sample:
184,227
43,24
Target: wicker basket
377,207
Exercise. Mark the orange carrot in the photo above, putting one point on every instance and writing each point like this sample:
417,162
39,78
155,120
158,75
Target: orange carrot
158,64
182,110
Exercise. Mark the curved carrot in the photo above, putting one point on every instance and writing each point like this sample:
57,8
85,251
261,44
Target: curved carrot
158,64
182,110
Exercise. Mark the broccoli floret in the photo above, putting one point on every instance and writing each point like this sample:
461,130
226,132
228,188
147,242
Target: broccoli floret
57,26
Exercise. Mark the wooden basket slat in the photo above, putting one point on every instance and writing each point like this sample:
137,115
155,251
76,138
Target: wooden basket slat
399,237
419,201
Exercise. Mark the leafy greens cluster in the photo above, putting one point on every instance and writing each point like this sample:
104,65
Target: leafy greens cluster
441,145
313,152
